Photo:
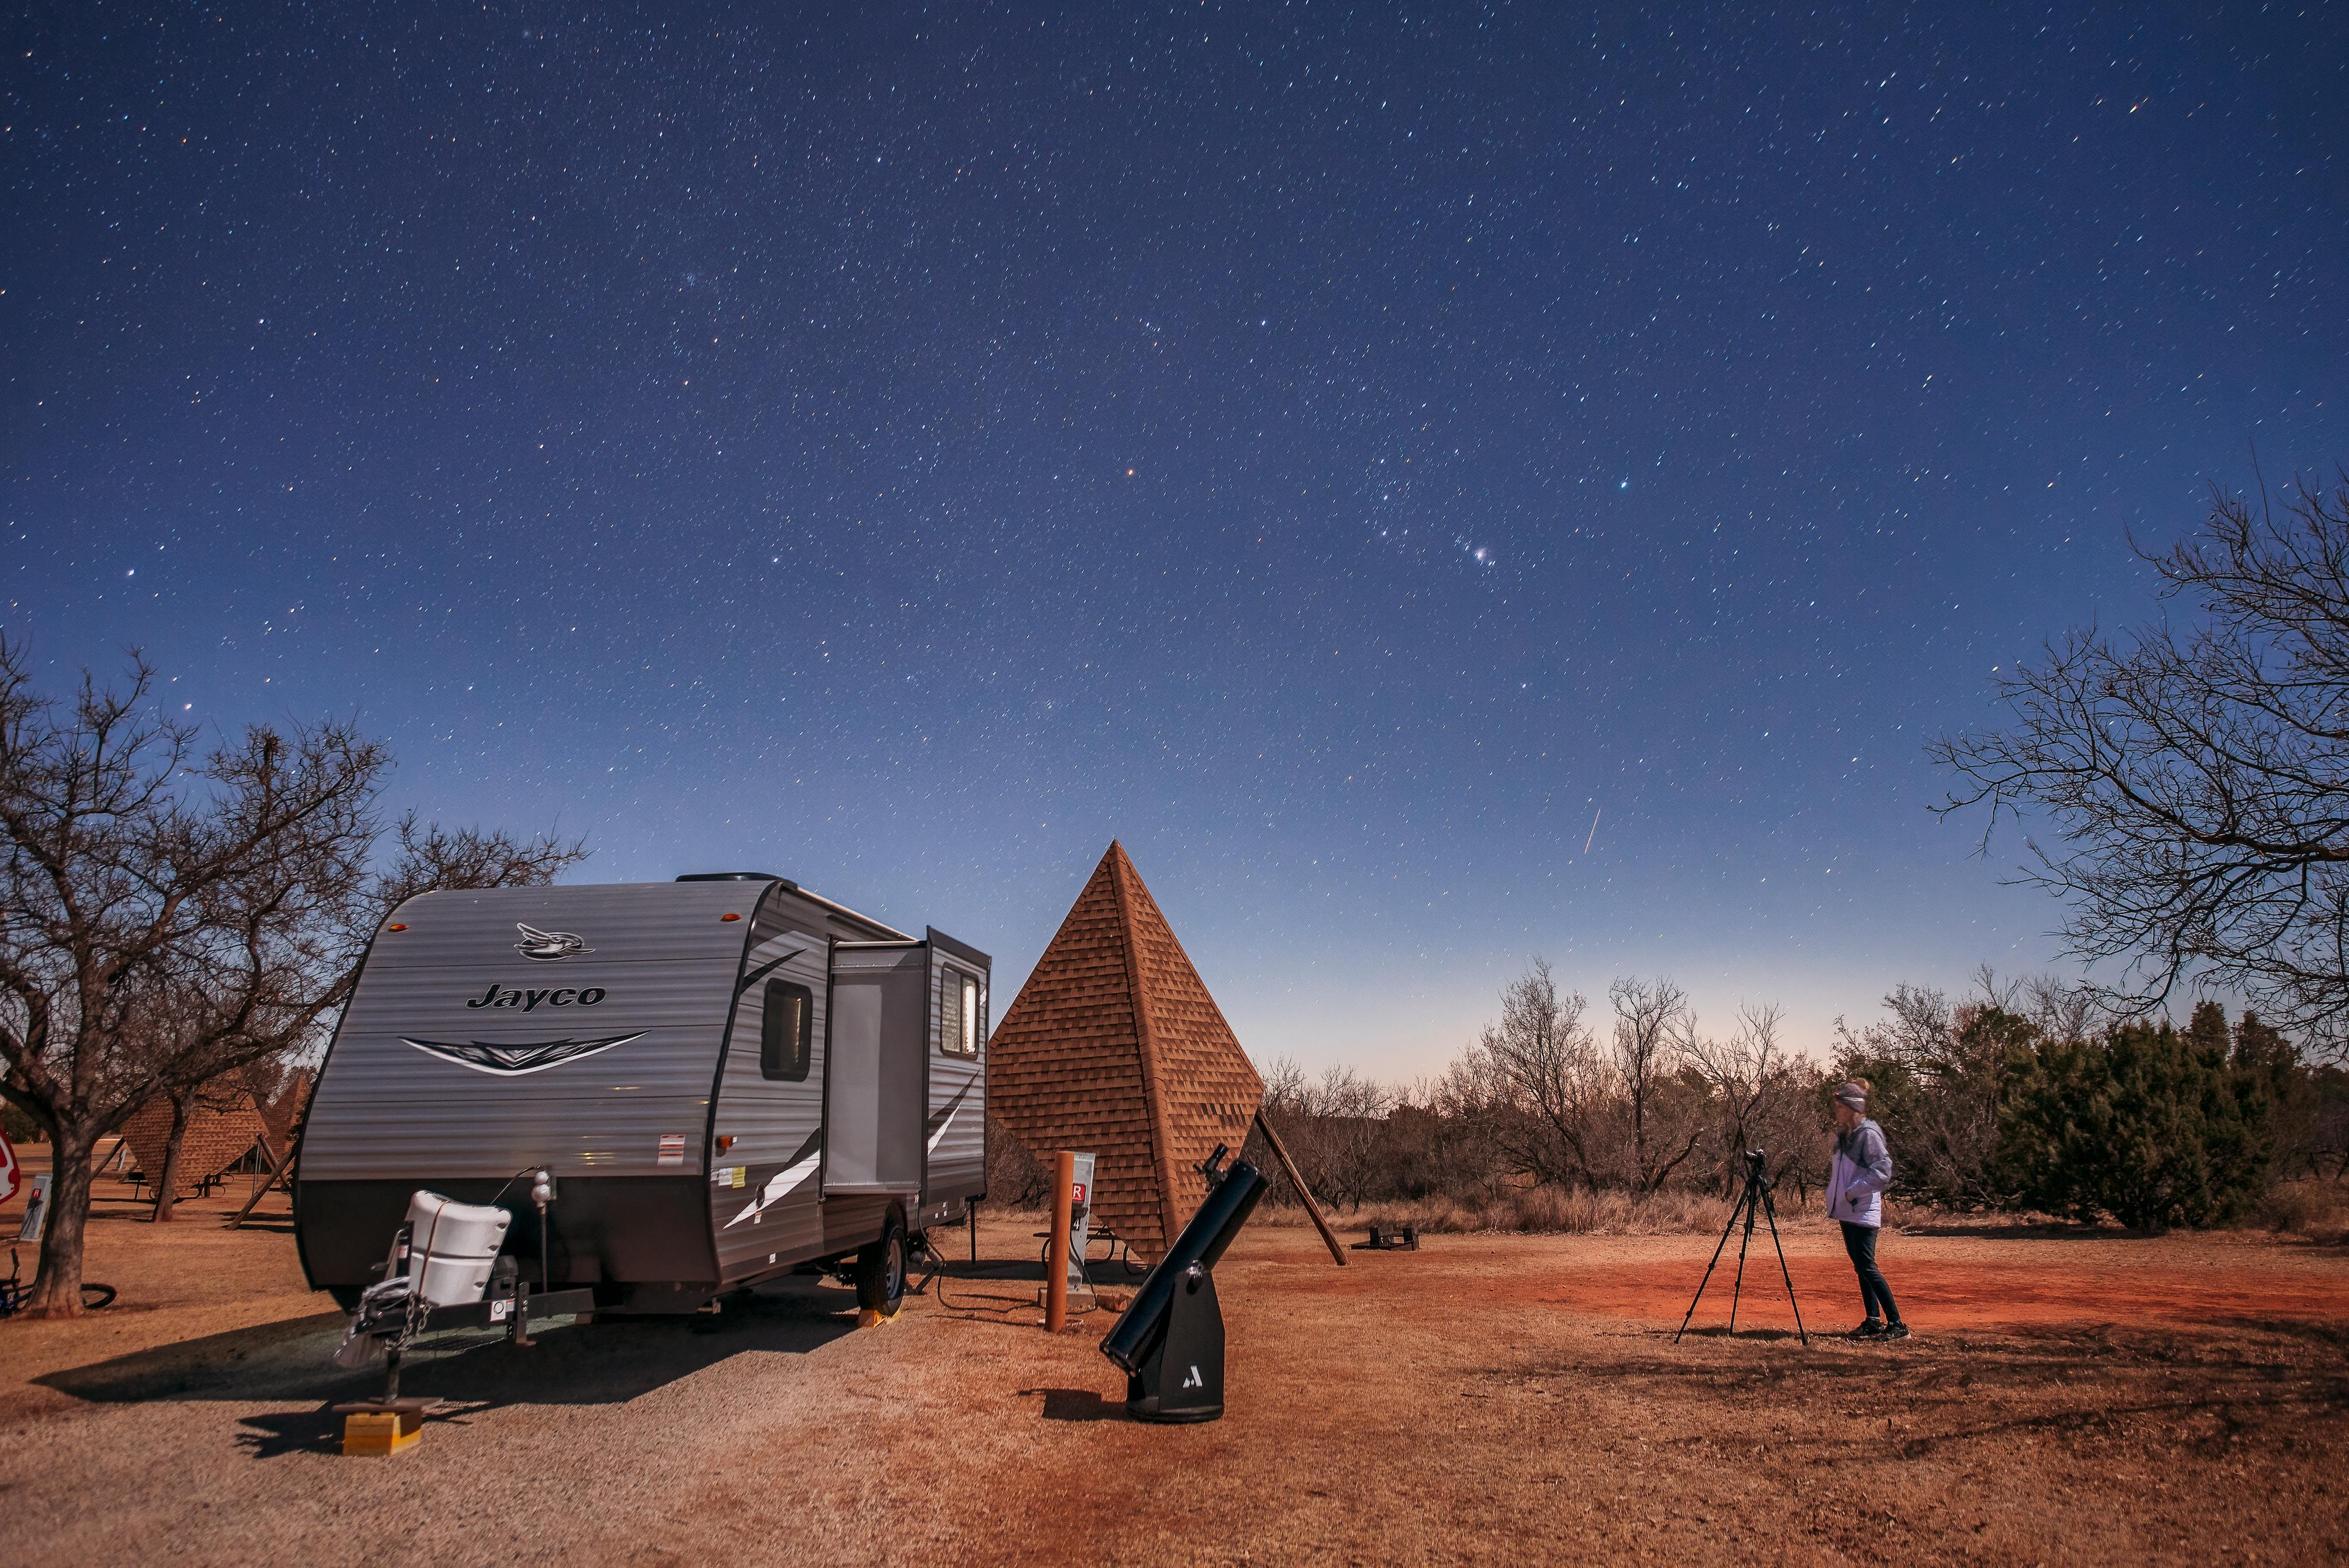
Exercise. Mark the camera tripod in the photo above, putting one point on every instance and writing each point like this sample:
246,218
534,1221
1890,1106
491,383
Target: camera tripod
1756,1197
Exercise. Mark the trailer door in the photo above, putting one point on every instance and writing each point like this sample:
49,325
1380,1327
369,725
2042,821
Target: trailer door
874,1070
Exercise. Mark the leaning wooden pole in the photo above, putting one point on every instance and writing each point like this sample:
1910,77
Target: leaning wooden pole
1329,1237
276,1179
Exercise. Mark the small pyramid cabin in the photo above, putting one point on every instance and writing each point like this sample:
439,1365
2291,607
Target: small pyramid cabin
1114,1045
228,1116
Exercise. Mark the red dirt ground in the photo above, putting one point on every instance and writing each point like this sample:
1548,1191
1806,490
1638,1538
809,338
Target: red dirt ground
1513,1399
2063,1281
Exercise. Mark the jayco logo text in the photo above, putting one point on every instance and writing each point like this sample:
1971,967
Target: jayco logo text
529,1000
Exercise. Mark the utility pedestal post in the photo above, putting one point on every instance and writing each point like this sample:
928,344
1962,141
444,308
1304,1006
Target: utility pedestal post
1056,1246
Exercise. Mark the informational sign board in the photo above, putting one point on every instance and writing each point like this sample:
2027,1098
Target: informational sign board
36,1210
9,1170
1081,1223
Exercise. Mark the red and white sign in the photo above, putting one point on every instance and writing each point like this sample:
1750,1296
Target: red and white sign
672,1149
1083,1223
11,1174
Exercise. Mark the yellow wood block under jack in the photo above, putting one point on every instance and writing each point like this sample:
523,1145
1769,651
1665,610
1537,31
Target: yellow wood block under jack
382,1432
867,1318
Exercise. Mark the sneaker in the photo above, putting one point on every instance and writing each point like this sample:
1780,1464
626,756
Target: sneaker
1894,1331
1871,1329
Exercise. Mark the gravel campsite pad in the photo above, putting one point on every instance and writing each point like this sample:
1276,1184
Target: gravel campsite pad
1487,1398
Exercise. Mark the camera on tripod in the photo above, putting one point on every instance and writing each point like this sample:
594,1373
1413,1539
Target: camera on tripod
1754,1203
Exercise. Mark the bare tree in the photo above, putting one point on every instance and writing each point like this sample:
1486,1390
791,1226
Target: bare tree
1286,1091
1534,1084
1334,1126
1916,1035
1939,1068
1738,1069
2060,1010
1352,1113
2198,779
165,921
1286,1087
1430,1151
1653,1026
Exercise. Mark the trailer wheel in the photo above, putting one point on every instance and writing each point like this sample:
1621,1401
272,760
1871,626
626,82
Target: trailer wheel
881,1271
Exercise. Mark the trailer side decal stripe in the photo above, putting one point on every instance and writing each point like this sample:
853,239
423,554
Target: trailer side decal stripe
760,973
944,1118
515,1061
786,1181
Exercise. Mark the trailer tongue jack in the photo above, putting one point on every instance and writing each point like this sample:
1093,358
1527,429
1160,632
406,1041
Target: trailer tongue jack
423,1291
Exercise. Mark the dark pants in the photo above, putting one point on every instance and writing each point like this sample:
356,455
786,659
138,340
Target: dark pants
1859,1241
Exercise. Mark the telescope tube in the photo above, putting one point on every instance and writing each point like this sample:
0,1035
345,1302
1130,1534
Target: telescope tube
1140,1328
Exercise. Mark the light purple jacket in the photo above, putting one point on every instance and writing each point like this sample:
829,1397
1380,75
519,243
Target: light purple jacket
1861,1170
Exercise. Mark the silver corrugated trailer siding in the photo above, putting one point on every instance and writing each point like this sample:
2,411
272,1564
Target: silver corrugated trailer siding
763,1203
956,1122
644,1001
665,961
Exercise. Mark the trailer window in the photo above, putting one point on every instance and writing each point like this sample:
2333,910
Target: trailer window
962,1014
786,1027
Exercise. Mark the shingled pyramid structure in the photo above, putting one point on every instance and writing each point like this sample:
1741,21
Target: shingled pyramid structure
1114,1046
222,1126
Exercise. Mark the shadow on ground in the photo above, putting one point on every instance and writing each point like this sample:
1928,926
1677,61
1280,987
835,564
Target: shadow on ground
279,1432
1077,1405
602,1362
1951,1391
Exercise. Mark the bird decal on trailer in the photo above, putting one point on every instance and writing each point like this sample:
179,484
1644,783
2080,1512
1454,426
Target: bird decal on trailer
544,946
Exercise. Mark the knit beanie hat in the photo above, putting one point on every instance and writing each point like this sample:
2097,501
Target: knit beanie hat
1852,1092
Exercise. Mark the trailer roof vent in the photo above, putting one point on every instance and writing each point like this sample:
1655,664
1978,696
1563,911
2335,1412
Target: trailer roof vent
738,877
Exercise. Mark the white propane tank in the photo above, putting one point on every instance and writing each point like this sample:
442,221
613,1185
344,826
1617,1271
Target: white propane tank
451,1247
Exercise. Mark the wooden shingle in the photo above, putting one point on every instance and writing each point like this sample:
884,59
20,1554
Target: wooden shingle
1114,1046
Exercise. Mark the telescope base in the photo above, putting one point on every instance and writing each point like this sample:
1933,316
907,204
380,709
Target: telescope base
1183,1379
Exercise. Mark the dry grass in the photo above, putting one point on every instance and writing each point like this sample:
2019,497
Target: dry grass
1537,1211
2312,1210
2315,1211
1532,1211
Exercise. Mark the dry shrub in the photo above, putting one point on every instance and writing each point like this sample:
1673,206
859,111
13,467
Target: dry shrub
2319,1210
1541,1210
1015,1180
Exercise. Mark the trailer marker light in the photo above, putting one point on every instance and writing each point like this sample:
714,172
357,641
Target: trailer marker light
725,1142
395,928
729,916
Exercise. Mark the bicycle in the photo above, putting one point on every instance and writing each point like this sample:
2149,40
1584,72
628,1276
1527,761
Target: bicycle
14,1295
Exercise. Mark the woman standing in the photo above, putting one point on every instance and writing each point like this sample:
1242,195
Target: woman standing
1855,1183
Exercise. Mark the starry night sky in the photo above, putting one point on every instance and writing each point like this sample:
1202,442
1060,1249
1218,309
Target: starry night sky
1339,451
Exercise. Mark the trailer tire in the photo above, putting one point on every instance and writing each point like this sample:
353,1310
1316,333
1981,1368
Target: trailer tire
881,1271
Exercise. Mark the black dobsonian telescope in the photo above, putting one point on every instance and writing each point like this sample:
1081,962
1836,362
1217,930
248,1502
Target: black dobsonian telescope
1169,1341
